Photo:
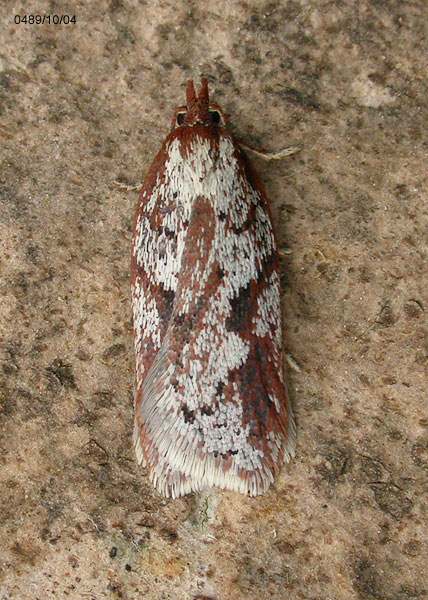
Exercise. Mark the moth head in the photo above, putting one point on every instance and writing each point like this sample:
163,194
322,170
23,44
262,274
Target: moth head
198,109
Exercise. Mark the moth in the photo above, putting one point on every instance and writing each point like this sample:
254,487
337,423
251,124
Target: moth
211,405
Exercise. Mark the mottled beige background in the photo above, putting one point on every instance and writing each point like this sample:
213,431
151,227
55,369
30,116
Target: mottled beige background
86,104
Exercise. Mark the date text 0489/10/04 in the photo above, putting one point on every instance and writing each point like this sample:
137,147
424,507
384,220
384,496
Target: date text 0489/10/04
211,406
35,19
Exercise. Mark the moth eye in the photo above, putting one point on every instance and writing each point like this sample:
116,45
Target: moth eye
181,117
215,117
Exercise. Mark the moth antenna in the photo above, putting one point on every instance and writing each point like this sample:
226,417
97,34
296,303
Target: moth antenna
191,97
203,95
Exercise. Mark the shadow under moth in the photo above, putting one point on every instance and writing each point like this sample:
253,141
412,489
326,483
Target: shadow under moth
211,406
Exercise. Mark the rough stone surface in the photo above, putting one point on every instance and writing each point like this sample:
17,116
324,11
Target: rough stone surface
87,104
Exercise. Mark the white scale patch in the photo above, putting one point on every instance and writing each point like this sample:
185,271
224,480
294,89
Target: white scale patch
146,324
